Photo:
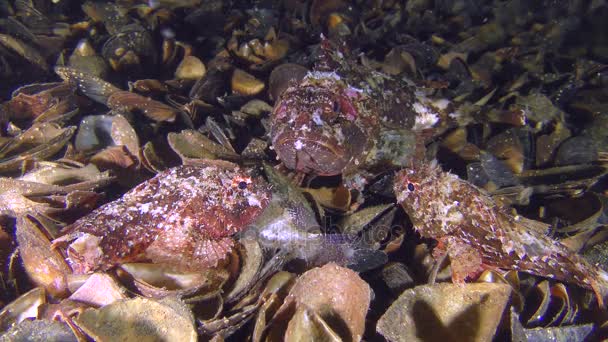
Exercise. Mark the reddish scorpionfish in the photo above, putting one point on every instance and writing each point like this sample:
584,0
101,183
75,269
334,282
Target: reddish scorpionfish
344,117
477,234
184,217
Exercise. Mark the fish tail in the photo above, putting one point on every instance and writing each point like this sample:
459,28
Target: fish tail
346,250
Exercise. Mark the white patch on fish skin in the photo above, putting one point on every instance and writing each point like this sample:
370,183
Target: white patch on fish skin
316,117
253,201
298,145
426,118
322,74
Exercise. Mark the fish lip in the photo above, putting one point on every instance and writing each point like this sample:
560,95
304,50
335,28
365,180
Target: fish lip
332,156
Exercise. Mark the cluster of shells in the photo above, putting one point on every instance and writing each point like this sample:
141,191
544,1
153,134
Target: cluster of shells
100,96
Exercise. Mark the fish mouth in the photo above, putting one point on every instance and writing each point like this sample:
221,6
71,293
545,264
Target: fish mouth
320,156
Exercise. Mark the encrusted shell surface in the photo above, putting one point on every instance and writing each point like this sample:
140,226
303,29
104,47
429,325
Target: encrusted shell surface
184,217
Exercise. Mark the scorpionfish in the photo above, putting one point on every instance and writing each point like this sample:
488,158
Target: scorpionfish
184,216
344,116
477,233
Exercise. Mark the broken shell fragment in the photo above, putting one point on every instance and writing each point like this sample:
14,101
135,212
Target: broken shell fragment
244,83
191,68
100,289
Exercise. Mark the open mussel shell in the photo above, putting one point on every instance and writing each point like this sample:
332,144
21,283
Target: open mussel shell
85,59
357,221
40,141
131,102
563,179
539,303
306,324
39,330
283,76
130,50
60,178
509,148
24,50
344,298
252,257
151,159
582,332
334,198
577,214
445,312
94,131
45,266
261,54
547,144
25,307
158,281
550,305
51,189
213,85
190,144
167,319
43,102
270,299
321,12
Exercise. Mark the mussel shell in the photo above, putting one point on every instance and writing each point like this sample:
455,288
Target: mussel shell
576,150
131,38
210,87
132,102
283,76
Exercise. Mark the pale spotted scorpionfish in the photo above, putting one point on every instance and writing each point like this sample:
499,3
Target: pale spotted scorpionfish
477,233
190,217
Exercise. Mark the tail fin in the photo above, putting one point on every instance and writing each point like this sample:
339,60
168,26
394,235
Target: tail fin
345,250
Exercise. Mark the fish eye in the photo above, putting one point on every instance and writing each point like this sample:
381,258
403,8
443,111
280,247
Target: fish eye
242,185
411,187
336,106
